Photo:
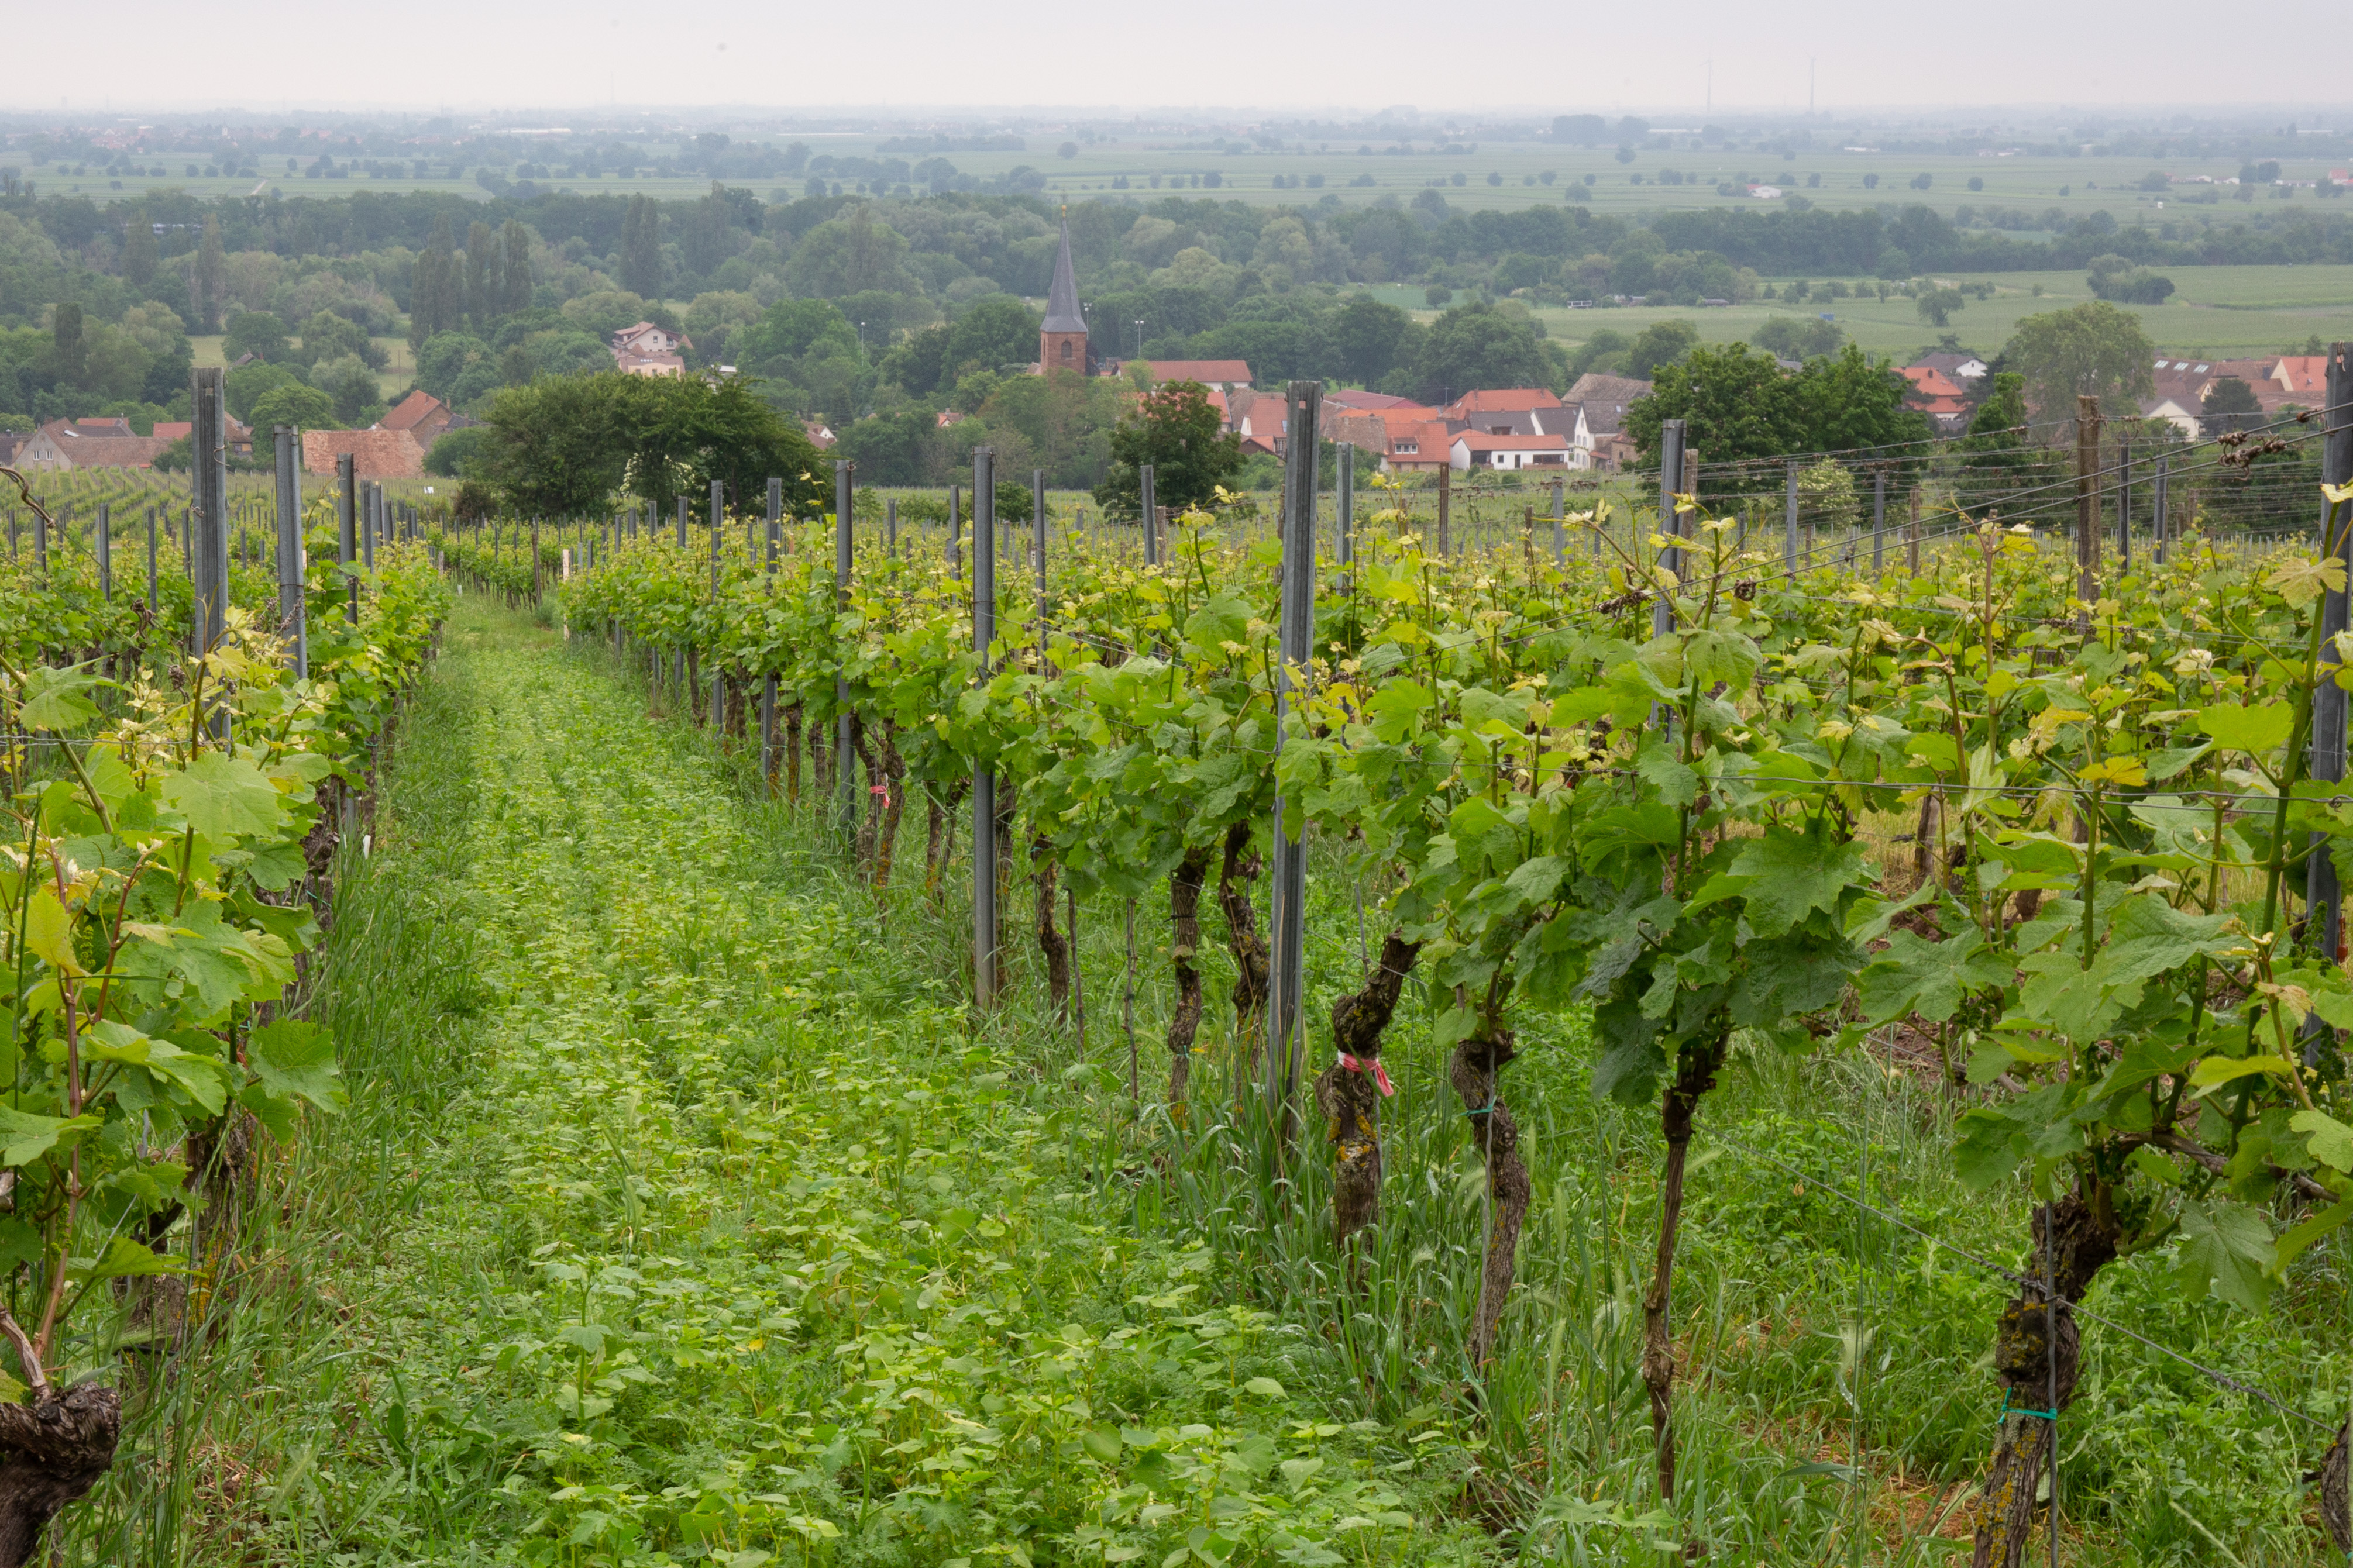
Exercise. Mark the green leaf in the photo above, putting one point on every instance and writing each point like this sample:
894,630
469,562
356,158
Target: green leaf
2226,1249
2257,731
1795,874
49,932
1987,1148
57,699
2213,1071
24,1137
296,1060
223,797
199,1076
125,1258
1102,1442
1264,1387
2331,1140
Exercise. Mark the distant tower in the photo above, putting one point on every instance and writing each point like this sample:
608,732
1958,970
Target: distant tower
1062,336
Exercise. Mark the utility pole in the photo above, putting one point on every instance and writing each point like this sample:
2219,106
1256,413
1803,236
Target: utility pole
1295,638
984,780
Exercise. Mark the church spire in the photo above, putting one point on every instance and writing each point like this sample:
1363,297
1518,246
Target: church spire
1062,336
1063,314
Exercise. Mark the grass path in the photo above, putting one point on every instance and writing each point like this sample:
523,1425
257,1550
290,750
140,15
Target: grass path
725,1243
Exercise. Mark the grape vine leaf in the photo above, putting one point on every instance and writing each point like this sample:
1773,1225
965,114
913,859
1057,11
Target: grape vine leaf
2225,1249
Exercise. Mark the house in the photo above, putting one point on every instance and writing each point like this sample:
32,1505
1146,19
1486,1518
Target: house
1418,446
423,416
1261,420
1962,369
1506,451
9,442
1934,395
377,454
1518,411
1226,376
62,445
819,436
1371,430
1600,402
650,350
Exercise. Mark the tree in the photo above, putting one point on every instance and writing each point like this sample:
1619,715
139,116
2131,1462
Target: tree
139,252
2229,405
327,336
480,280
1175,428
1798,337
294,404
558,447
436,286
1479,345
247,386
1657,345
1937,306
848,256
457,454
641,258
204,278
515,287
1999,455
351,386
1367,336
2092,350
679,433
260,334
73,353
1739,404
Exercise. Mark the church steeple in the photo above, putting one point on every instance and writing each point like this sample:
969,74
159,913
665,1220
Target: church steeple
1062,336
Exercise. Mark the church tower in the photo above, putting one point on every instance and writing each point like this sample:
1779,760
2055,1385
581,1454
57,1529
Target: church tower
1062,338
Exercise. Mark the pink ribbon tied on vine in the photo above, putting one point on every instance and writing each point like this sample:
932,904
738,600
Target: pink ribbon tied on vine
1380,1074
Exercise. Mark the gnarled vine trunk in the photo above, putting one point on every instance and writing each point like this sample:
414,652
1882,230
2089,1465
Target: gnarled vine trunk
794,717
2037,1360
1236,872
52,1451
1694,1076
1051,943
1185,946
1350,1095
1473,1069
895,805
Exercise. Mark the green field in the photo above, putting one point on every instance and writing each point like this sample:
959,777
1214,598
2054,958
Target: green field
2224,311
1247,172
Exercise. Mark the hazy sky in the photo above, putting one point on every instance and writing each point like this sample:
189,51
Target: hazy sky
1367,54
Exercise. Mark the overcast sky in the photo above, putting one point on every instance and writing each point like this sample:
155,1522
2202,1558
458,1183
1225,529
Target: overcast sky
1365,55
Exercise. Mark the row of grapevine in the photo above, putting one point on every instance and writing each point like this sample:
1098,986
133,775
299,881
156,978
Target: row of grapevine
174,818
1555,796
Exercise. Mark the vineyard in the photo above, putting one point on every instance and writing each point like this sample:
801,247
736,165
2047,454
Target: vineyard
1736,1020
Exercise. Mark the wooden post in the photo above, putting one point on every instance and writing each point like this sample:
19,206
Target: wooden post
891,527
1344,515
956,530
1146,517
371,512
1789,527
151,561
984,780
1671,473
681,521
291,607
41,543
2088,507
106,551
1560,524
2323,897
718,674
845,764
2124,503
207,510
1878,520
2159,520
1295,638
1912,532
534,562
1445,499
1038,545
770,761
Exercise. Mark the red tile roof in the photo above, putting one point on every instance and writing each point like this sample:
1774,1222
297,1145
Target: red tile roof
414,409
376,454
1505,400
1226,372
1484,441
